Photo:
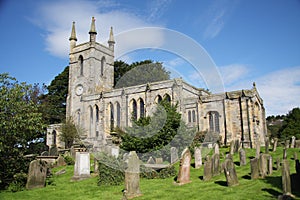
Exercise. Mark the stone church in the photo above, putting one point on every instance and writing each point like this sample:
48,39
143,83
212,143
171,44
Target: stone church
97,107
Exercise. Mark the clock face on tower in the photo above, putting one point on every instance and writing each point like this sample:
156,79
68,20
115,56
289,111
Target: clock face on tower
79,90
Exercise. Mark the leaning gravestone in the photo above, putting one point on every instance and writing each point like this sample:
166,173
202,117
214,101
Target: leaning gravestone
36,174
275,144
254,168
82,166
198,157
230,173
215,160
184,168
243,160
293,142
286,179
207,172
132,176
174,155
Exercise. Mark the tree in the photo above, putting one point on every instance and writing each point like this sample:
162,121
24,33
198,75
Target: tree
21,124
70,132
291,125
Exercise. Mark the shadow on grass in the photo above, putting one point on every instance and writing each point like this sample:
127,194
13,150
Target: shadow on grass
251,157
222,183
248,177
273,192
201,178
237,163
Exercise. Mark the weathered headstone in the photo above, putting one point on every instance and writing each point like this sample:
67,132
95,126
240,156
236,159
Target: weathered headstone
293,142
229,156
278,163
275,144
263,165
198,157
297,144
254,168
174,155
158,160
243,160
207,172
45,153
53,151
270,165
287,144
230,173
232,147
96,165
36,174
217,149
150,160
236,145
257,145
285,153
132,176
286,179
72,152
82,166
184,168
267,143
60,161
215,160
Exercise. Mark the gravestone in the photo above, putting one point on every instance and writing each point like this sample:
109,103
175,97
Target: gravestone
45,153
270,165
53,151
297,144
275,144
257,145
36,174
254,168
207,172
217,149
158,160
285,153
150,160
72,152
184,168
198,157
174,155
60,161
293,142
243,160
96,165
277,163
236,145
232,147
82,166
215,161
286,179
229,156
287,144
132,176
263,165
230,173
267,143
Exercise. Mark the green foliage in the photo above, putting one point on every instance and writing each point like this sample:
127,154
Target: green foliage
139,73
69,160
21,123
149,173
111,170
70,132
19,183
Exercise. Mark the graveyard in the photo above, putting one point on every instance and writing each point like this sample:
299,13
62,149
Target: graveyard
62,185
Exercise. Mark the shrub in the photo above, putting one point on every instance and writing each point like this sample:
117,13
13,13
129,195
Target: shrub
149,173
18,183
69,160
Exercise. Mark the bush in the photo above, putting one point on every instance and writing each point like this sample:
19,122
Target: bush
149,173
111,170
19,183
69,160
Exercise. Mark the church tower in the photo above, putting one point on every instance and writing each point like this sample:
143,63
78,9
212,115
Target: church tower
91,70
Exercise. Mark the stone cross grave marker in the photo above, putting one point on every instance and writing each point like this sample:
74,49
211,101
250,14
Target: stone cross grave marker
243,160
82,166
230,173
36,174
132,176
174,155
184,168
198,157
286,179
254,168
207,172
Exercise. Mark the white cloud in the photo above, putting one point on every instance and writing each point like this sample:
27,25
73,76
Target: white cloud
56,18
233,73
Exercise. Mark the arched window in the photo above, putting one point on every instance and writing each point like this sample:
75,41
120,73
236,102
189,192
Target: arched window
91,120
158,99
80,60
194,116
214,125
112,119
97,113
189,117
118,114
167,97
54,137
102,65
142,107
134,109
78,117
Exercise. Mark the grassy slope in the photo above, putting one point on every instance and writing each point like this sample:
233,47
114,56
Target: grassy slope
268,188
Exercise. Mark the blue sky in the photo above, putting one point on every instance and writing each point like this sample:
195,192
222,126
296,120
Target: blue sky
248,41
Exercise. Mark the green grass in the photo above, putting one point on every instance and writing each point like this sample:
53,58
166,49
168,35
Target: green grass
268,188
